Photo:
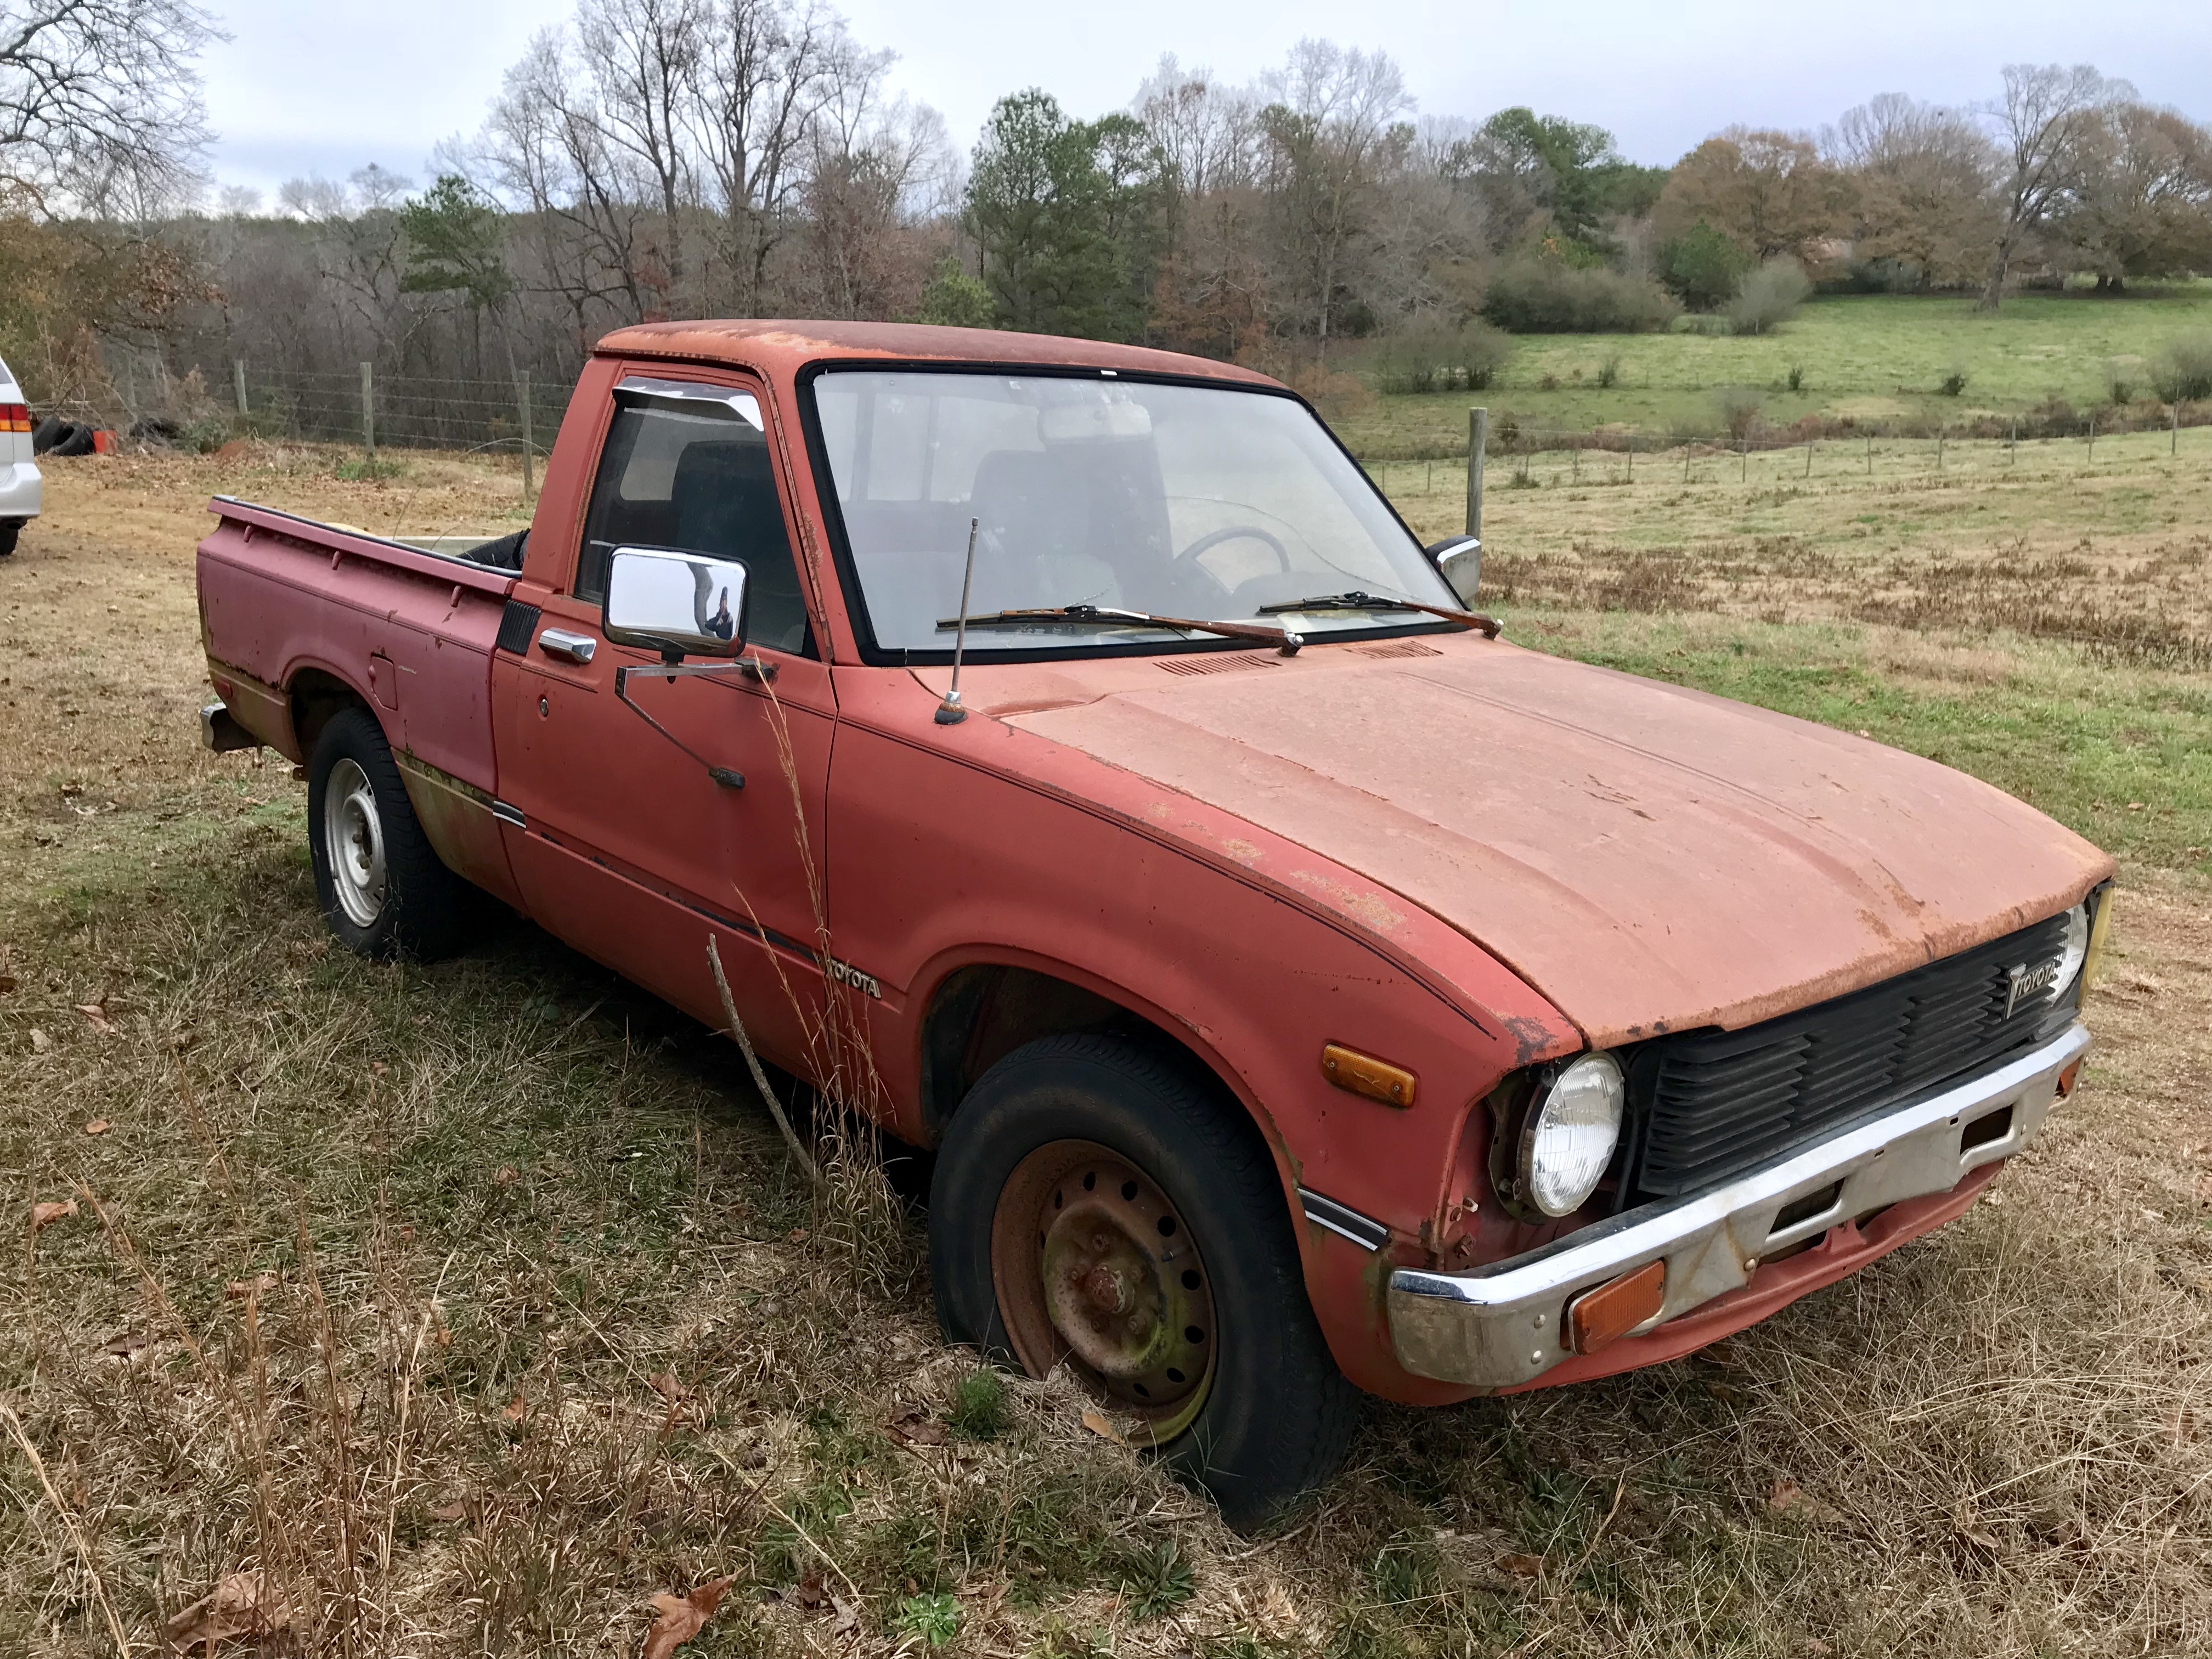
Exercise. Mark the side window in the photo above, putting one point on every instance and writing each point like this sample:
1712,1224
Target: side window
695,475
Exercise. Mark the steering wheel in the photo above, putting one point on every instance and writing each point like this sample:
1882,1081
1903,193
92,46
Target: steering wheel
1235,532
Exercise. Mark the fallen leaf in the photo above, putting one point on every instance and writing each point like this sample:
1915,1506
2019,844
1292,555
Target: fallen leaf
8,982
456,1510
1786,1495
98,1016
241,1605
847,1620
1817,1648
799,1235
1720,1391
1096,1423
914,1426
40,1041
809,1592
260,1284
1522,1566
378,1068
682,1617
57,1209
183,1040
98,1126
504,1176
129,1345
517,1411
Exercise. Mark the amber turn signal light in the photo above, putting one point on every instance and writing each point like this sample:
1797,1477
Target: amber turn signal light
1363,1074
1598,1319
2067,1078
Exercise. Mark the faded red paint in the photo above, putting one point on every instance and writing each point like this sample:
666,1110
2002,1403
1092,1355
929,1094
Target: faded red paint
1464,857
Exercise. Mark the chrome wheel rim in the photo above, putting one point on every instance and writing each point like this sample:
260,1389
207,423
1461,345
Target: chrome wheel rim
353,842
1095,1268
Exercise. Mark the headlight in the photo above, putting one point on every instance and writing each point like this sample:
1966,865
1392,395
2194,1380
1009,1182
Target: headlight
2074,952
1571,1133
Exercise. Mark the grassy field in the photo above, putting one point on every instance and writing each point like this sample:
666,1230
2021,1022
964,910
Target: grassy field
473,1306
1878,359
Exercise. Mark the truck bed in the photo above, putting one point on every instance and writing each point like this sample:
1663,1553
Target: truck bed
294,614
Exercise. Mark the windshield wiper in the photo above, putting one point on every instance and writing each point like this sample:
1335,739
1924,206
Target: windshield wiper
1357,600
1091,616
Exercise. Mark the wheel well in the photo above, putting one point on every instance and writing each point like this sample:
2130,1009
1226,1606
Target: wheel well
317,697
983,1013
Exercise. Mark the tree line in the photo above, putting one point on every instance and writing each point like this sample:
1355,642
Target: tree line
651,159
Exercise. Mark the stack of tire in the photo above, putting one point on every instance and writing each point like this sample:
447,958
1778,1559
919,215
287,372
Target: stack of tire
55,437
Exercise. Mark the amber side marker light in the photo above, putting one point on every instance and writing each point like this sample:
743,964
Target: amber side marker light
2067,1078
1363,1074
1598,1319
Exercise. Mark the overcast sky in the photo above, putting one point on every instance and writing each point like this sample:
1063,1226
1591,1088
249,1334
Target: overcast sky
304,89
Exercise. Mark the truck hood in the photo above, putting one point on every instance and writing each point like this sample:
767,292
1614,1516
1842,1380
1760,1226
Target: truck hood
1650,859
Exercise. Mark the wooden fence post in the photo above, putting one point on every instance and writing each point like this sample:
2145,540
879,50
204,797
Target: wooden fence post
1478,439
529,458
369,411
237,380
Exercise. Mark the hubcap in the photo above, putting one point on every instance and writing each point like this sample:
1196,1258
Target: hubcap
1095,1266
353,840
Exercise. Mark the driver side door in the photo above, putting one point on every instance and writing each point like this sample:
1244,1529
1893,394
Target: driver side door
623,841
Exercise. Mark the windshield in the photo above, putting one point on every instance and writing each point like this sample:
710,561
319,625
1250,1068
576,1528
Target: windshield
1174,501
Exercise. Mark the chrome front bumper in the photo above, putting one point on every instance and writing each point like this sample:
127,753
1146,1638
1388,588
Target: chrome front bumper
1503,1325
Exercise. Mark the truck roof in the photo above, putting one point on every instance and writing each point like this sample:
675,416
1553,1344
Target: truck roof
781,347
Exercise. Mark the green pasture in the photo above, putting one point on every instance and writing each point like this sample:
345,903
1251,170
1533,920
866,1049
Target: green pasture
1878,359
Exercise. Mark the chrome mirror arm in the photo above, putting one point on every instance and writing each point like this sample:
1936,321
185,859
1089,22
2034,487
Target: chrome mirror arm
751,668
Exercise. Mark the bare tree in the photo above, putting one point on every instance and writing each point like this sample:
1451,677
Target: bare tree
2041,120
1335,136
99,101
1925,198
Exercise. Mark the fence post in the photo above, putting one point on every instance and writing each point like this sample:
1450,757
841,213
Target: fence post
1576,454
1631,457
528,460
2012,443
1869,454
2093,437
2174,432
369,411
237,380
1809,460
1939,449
1478,439
1743,465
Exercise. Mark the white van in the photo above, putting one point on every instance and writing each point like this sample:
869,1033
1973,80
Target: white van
21,486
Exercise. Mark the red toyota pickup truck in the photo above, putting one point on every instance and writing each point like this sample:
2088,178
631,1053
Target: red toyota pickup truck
1304,991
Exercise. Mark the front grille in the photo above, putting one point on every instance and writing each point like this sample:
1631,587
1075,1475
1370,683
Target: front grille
1717,1103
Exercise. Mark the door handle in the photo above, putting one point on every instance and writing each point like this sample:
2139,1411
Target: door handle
569,647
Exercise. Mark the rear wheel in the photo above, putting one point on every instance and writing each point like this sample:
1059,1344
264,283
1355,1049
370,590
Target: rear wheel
382,889
1095,1205
11,531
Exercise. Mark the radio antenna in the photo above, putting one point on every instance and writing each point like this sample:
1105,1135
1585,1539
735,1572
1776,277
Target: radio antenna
951,712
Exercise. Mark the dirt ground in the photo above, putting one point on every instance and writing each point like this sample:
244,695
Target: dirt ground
464,1309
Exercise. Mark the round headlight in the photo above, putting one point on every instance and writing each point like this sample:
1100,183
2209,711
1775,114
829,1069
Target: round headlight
1570,1135
2075,951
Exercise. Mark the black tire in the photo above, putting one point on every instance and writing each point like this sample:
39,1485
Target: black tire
418,908
74,439
1276,1414
11,531
44,434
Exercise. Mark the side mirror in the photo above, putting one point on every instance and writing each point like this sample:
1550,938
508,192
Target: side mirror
1460,558
677,603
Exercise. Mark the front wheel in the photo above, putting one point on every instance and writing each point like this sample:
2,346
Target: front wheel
1095,1205
381,885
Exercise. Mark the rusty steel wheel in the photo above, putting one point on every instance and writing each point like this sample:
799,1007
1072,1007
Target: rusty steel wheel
1101,1202
1094,1265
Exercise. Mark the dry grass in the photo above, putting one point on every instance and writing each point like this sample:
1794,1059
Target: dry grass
472,1305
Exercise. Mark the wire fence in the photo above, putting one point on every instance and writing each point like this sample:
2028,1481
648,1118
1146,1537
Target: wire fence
1535,458
399,411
